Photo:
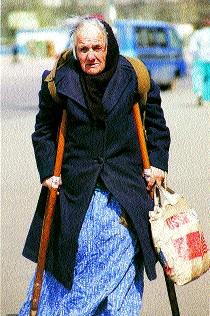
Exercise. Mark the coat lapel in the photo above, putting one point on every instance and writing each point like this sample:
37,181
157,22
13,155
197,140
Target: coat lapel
68,83
121,78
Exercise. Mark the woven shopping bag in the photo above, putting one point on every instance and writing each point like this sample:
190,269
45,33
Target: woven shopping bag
178,237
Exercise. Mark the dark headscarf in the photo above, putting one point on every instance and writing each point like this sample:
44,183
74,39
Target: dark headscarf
94,86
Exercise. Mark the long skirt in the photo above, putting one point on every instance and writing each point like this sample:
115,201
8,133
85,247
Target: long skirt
107,280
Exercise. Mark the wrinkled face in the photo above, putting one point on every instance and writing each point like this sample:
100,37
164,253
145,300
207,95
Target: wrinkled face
91,50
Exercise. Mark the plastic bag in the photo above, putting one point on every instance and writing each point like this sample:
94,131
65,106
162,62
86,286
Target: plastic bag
178,237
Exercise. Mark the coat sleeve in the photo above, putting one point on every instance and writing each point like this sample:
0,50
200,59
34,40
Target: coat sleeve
158,135
45,134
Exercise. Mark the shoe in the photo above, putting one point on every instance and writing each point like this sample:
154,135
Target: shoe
199,101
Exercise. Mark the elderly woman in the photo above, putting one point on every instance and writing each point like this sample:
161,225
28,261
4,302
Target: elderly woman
95,264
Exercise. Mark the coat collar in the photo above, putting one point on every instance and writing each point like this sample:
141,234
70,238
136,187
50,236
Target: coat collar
68,83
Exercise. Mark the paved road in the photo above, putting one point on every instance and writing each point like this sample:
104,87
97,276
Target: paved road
20,183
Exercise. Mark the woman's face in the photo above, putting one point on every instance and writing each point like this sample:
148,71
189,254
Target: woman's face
91,50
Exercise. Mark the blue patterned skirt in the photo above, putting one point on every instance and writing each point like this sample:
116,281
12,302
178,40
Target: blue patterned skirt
107,280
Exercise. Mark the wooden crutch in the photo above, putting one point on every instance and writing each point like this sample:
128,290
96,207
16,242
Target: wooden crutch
146,164
49,213
50,207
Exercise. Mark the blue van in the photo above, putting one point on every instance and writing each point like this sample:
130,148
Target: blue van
157,44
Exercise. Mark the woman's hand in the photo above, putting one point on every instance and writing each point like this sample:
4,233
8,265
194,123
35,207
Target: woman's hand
154,176
52,182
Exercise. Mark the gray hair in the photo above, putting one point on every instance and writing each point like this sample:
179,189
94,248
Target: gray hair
83,22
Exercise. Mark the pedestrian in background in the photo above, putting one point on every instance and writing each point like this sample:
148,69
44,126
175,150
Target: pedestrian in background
200,50
100,241
15,54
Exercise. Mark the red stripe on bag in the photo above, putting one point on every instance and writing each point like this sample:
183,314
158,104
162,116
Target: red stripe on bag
191,246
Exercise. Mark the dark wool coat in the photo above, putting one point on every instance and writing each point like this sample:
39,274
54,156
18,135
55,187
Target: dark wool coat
110,150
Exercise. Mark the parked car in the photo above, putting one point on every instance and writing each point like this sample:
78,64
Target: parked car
157,44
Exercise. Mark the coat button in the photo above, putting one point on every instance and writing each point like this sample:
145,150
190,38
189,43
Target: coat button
100,160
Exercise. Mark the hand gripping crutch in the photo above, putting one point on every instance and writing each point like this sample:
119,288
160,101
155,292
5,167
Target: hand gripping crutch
48,217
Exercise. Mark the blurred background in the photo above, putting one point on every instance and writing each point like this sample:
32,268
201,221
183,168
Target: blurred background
54,18
42,28
33,34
